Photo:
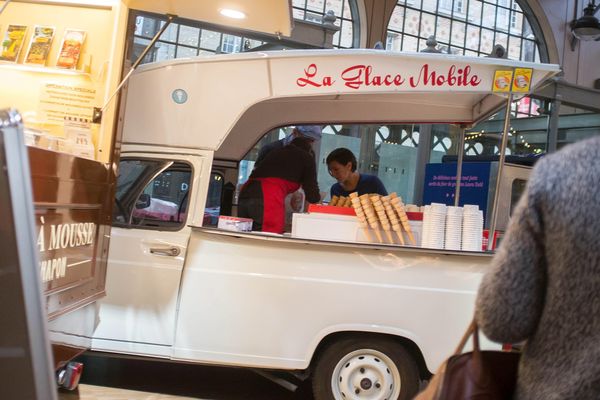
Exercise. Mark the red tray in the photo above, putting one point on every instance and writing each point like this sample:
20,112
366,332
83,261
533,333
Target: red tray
414,216
319,208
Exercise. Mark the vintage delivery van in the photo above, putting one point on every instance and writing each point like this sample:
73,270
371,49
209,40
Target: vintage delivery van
361,320
71,80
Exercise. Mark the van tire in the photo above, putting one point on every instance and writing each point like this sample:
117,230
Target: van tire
352,368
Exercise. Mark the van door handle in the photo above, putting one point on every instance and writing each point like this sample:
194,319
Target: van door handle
166,251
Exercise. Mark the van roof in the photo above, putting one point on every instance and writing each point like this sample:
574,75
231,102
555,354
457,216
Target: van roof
226,103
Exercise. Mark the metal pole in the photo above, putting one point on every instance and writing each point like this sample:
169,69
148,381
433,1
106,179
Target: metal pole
423,155
553,125
137,62
500,168
459,163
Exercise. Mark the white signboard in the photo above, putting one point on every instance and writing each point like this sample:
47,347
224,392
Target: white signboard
380,74
60,100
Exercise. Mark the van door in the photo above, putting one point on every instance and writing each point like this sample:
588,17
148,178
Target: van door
148,246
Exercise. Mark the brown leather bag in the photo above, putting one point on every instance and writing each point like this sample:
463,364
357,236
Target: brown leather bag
480,375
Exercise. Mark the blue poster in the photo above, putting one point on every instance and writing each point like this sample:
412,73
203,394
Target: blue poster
440,184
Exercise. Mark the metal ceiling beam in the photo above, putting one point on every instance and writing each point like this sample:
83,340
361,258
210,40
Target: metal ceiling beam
572,95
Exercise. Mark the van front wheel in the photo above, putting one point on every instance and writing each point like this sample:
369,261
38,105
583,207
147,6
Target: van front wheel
368,369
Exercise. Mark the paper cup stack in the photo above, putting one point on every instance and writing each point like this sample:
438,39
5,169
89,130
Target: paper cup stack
426,226
454,221
472,228
434,226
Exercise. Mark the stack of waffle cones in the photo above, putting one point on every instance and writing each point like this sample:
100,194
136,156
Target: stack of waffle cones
372,219
383,218
360,215
393,217
386,211
399,207
341,201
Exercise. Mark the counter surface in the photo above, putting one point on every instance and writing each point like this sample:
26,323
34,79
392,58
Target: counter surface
372,246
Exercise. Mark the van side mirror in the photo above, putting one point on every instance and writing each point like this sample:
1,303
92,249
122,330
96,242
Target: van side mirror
143,201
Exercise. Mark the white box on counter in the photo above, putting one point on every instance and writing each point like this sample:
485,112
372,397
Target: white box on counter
235,224
343,228
339,228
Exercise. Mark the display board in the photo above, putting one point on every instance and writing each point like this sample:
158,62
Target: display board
25,360
59,60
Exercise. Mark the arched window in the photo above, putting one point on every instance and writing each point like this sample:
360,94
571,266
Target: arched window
185,40
346,13
190,38
467,27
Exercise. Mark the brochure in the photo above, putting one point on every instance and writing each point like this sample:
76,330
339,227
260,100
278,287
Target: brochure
70,49
39,46
13,42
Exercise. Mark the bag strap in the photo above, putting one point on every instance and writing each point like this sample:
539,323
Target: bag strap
472,330
477,366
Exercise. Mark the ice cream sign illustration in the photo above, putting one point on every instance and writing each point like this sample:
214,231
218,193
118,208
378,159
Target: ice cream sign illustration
522,80
517,81
502,81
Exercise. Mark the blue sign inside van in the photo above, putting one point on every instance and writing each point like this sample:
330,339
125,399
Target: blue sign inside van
440,184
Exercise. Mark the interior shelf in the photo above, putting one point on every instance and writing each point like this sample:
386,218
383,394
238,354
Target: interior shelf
44,70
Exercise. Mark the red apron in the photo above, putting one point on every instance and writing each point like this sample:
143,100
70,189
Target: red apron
274,191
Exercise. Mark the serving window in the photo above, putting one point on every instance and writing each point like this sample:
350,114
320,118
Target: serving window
386,151
416,162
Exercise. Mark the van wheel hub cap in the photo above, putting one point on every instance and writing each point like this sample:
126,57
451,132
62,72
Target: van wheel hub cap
365,374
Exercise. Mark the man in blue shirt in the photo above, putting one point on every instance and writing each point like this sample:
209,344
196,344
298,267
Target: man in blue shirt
342,166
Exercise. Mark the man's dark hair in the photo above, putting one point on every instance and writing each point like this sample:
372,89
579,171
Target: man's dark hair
303,142
342,156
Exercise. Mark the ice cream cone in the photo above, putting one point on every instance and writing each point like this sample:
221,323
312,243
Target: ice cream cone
404,221
334,201
395,222
360,215
378,234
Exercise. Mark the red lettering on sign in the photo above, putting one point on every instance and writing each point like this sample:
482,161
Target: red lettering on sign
353,76
454,77
310,79
358,75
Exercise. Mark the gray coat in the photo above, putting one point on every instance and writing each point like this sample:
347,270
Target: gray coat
544,283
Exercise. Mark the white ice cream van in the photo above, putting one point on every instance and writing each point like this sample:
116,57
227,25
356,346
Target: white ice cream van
361,320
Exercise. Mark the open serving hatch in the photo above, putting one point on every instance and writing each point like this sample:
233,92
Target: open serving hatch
227,103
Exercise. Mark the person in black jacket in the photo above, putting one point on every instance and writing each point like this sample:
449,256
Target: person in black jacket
311,132
281,172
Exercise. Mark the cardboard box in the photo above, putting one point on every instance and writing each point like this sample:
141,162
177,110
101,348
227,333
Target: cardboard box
235,224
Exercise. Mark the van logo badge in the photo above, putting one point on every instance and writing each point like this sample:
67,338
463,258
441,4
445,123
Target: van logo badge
179,96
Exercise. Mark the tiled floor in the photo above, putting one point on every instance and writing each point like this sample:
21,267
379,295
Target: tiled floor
109,378
91,392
